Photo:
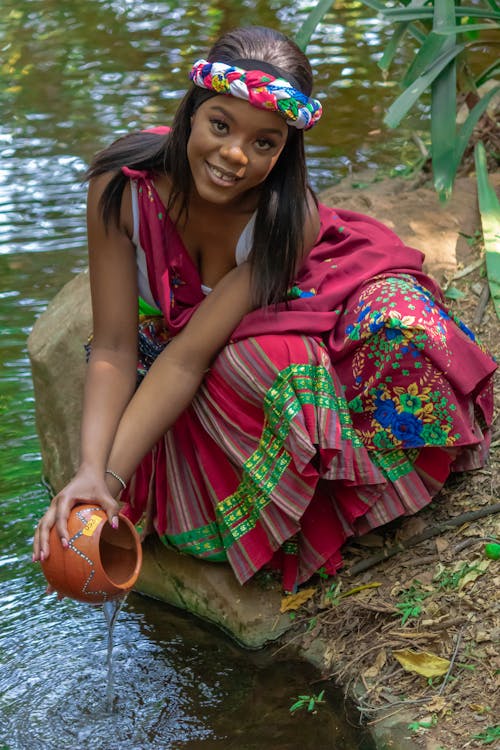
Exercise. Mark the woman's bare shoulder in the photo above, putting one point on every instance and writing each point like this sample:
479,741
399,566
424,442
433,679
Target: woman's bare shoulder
95,197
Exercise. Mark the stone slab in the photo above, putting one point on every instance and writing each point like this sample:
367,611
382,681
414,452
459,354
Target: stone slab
250,614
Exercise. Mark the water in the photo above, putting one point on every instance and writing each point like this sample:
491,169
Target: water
111,610
73,75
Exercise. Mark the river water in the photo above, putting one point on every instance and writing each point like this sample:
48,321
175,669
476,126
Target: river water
74,75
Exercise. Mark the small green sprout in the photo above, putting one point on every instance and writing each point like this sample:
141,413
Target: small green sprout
307,701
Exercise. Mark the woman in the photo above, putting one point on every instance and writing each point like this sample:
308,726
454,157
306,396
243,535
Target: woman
299,380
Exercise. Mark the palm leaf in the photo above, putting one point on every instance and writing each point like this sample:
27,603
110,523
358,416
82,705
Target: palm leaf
489,208
426,55
392,45
444,107
487,73
423,14
470,123
407,99
465,28
304,34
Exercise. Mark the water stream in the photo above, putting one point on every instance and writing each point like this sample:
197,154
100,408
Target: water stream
73,75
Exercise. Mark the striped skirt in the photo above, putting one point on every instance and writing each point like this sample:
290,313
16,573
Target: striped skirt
282,456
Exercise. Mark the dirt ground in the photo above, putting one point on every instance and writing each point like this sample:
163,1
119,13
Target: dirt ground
437,598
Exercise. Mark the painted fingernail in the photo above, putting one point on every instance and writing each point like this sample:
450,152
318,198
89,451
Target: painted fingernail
42,557
64,543
114,522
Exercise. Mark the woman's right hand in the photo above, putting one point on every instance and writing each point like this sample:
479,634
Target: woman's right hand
85,486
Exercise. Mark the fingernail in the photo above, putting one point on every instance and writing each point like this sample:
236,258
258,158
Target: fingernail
64,543
42,557
33,558
115,523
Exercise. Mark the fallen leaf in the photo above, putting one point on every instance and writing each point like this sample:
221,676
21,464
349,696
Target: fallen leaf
379,662
357,589
437,704
411,528
441,544
422,662
479,570
294,601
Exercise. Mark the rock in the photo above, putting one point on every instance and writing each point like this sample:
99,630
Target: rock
57,356
250,614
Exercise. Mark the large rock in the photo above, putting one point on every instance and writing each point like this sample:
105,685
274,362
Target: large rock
250,614
57,356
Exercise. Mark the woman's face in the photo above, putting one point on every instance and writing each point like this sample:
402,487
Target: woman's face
232,148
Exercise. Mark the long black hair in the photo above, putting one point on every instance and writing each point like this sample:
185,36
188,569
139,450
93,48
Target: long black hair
279,227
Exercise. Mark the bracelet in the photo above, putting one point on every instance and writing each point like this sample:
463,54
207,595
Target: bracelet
117,477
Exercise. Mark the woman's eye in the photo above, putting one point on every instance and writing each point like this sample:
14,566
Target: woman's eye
219,126
263,144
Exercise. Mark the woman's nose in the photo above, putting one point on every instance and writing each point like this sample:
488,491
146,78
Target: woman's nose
234,154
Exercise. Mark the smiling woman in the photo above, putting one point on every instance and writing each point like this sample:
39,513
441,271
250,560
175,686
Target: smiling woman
299,379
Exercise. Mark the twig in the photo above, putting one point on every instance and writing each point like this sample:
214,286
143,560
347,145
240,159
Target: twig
452,662
481,305
468,269
432,531
471,541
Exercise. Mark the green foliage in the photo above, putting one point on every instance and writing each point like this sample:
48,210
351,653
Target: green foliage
332,596
411,604
444,32
450,580
414,726
489,736
489,208
310,702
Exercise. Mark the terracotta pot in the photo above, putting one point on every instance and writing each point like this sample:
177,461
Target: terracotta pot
100,564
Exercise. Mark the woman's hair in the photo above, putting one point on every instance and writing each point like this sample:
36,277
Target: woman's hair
279,227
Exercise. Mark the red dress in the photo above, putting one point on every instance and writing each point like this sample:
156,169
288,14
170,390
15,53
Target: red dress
343,409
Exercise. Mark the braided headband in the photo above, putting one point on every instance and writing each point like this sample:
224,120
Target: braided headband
262,90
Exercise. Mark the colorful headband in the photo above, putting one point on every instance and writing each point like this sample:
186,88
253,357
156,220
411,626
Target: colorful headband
262,90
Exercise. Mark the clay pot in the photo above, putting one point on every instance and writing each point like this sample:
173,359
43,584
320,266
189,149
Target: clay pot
100,563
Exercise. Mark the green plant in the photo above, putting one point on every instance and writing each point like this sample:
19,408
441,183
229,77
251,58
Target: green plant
489,208
414,726
445,35
332,596
411,604
307,701
489,736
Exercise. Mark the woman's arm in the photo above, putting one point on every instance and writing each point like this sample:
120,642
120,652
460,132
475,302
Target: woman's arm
172,382
111,373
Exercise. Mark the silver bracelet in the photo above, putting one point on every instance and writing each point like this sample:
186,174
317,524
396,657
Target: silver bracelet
117,477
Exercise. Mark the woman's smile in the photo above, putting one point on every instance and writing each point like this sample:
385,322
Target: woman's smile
222,176
232,148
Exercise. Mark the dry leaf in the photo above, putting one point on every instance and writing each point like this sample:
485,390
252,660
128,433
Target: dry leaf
422,662
473,574
436,705
413,527
441,544
294,601
379,662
